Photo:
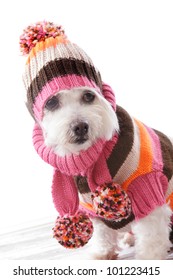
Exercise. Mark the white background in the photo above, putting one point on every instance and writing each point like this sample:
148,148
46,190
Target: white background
130,42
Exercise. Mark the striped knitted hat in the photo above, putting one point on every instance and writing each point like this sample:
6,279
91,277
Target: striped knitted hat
54,64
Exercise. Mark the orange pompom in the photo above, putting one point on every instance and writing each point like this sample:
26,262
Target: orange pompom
73,231
111,202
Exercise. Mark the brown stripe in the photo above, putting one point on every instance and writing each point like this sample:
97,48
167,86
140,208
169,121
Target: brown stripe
58,68
167,154
118,225
124,144
82,184
171,234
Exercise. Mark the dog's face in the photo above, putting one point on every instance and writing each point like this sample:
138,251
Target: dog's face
74,119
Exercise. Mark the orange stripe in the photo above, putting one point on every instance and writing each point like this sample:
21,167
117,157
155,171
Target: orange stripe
169,200
41,46
146,155
87,205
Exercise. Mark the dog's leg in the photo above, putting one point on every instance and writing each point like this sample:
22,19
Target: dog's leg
152,234
103,242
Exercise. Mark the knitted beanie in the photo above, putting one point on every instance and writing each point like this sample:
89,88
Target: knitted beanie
54,64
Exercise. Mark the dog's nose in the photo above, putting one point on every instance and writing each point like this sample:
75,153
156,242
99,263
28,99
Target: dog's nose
81,129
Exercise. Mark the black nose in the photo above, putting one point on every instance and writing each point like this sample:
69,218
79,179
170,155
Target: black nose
81,129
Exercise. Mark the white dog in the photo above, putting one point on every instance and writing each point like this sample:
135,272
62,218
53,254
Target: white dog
73,120
94,144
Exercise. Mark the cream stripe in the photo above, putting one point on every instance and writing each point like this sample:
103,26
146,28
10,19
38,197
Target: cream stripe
43,57
86,198
131,163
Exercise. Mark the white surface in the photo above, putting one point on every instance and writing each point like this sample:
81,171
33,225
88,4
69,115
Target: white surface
131,43
34,241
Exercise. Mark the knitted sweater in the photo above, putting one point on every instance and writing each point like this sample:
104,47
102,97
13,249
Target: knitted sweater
141,161
139,158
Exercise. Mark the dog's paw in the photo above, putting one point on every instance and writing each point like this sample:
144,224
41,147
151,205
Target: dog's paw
126,239
129,239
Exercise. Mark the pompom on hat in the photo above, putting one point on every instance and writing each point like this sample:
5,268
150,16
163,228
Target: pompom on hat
54,64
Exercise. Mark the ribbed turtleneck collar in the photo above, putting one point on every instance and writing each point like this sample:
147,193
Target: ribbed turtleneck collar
72,164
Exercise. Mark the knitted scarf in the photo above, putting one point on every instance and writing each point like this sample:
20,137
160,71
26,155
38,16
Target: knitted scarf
64,190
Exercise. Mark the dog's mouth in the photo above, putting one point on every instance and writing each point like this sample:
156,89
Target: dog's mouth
80,140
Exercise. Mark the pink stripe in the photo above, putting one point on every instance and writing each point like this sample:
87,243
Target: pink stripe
56,85
156,148
109,95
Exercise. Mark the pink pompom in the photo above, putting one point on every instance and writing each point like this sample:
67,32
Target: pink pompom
110,201
73,231
38,32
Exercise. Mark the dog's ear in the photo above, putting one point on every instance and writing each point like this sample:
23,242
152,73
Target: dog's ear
30,110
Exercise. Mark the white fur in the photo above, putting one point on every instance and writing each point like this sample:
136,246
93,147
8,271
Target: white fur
103,242
100,117
151,233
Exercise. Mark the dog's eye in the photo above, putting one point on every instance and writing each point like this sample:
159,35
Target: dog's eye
52,103
88,97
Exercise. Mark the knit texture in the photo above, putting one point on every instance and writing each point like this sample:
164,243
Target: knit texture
142,163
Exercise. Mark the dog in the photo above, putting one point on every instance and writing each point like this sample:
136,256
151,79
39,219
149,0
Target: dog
97,150
73,120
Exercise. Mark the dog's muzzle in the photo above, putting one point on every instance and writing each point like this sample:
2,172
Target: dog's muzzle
80,131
